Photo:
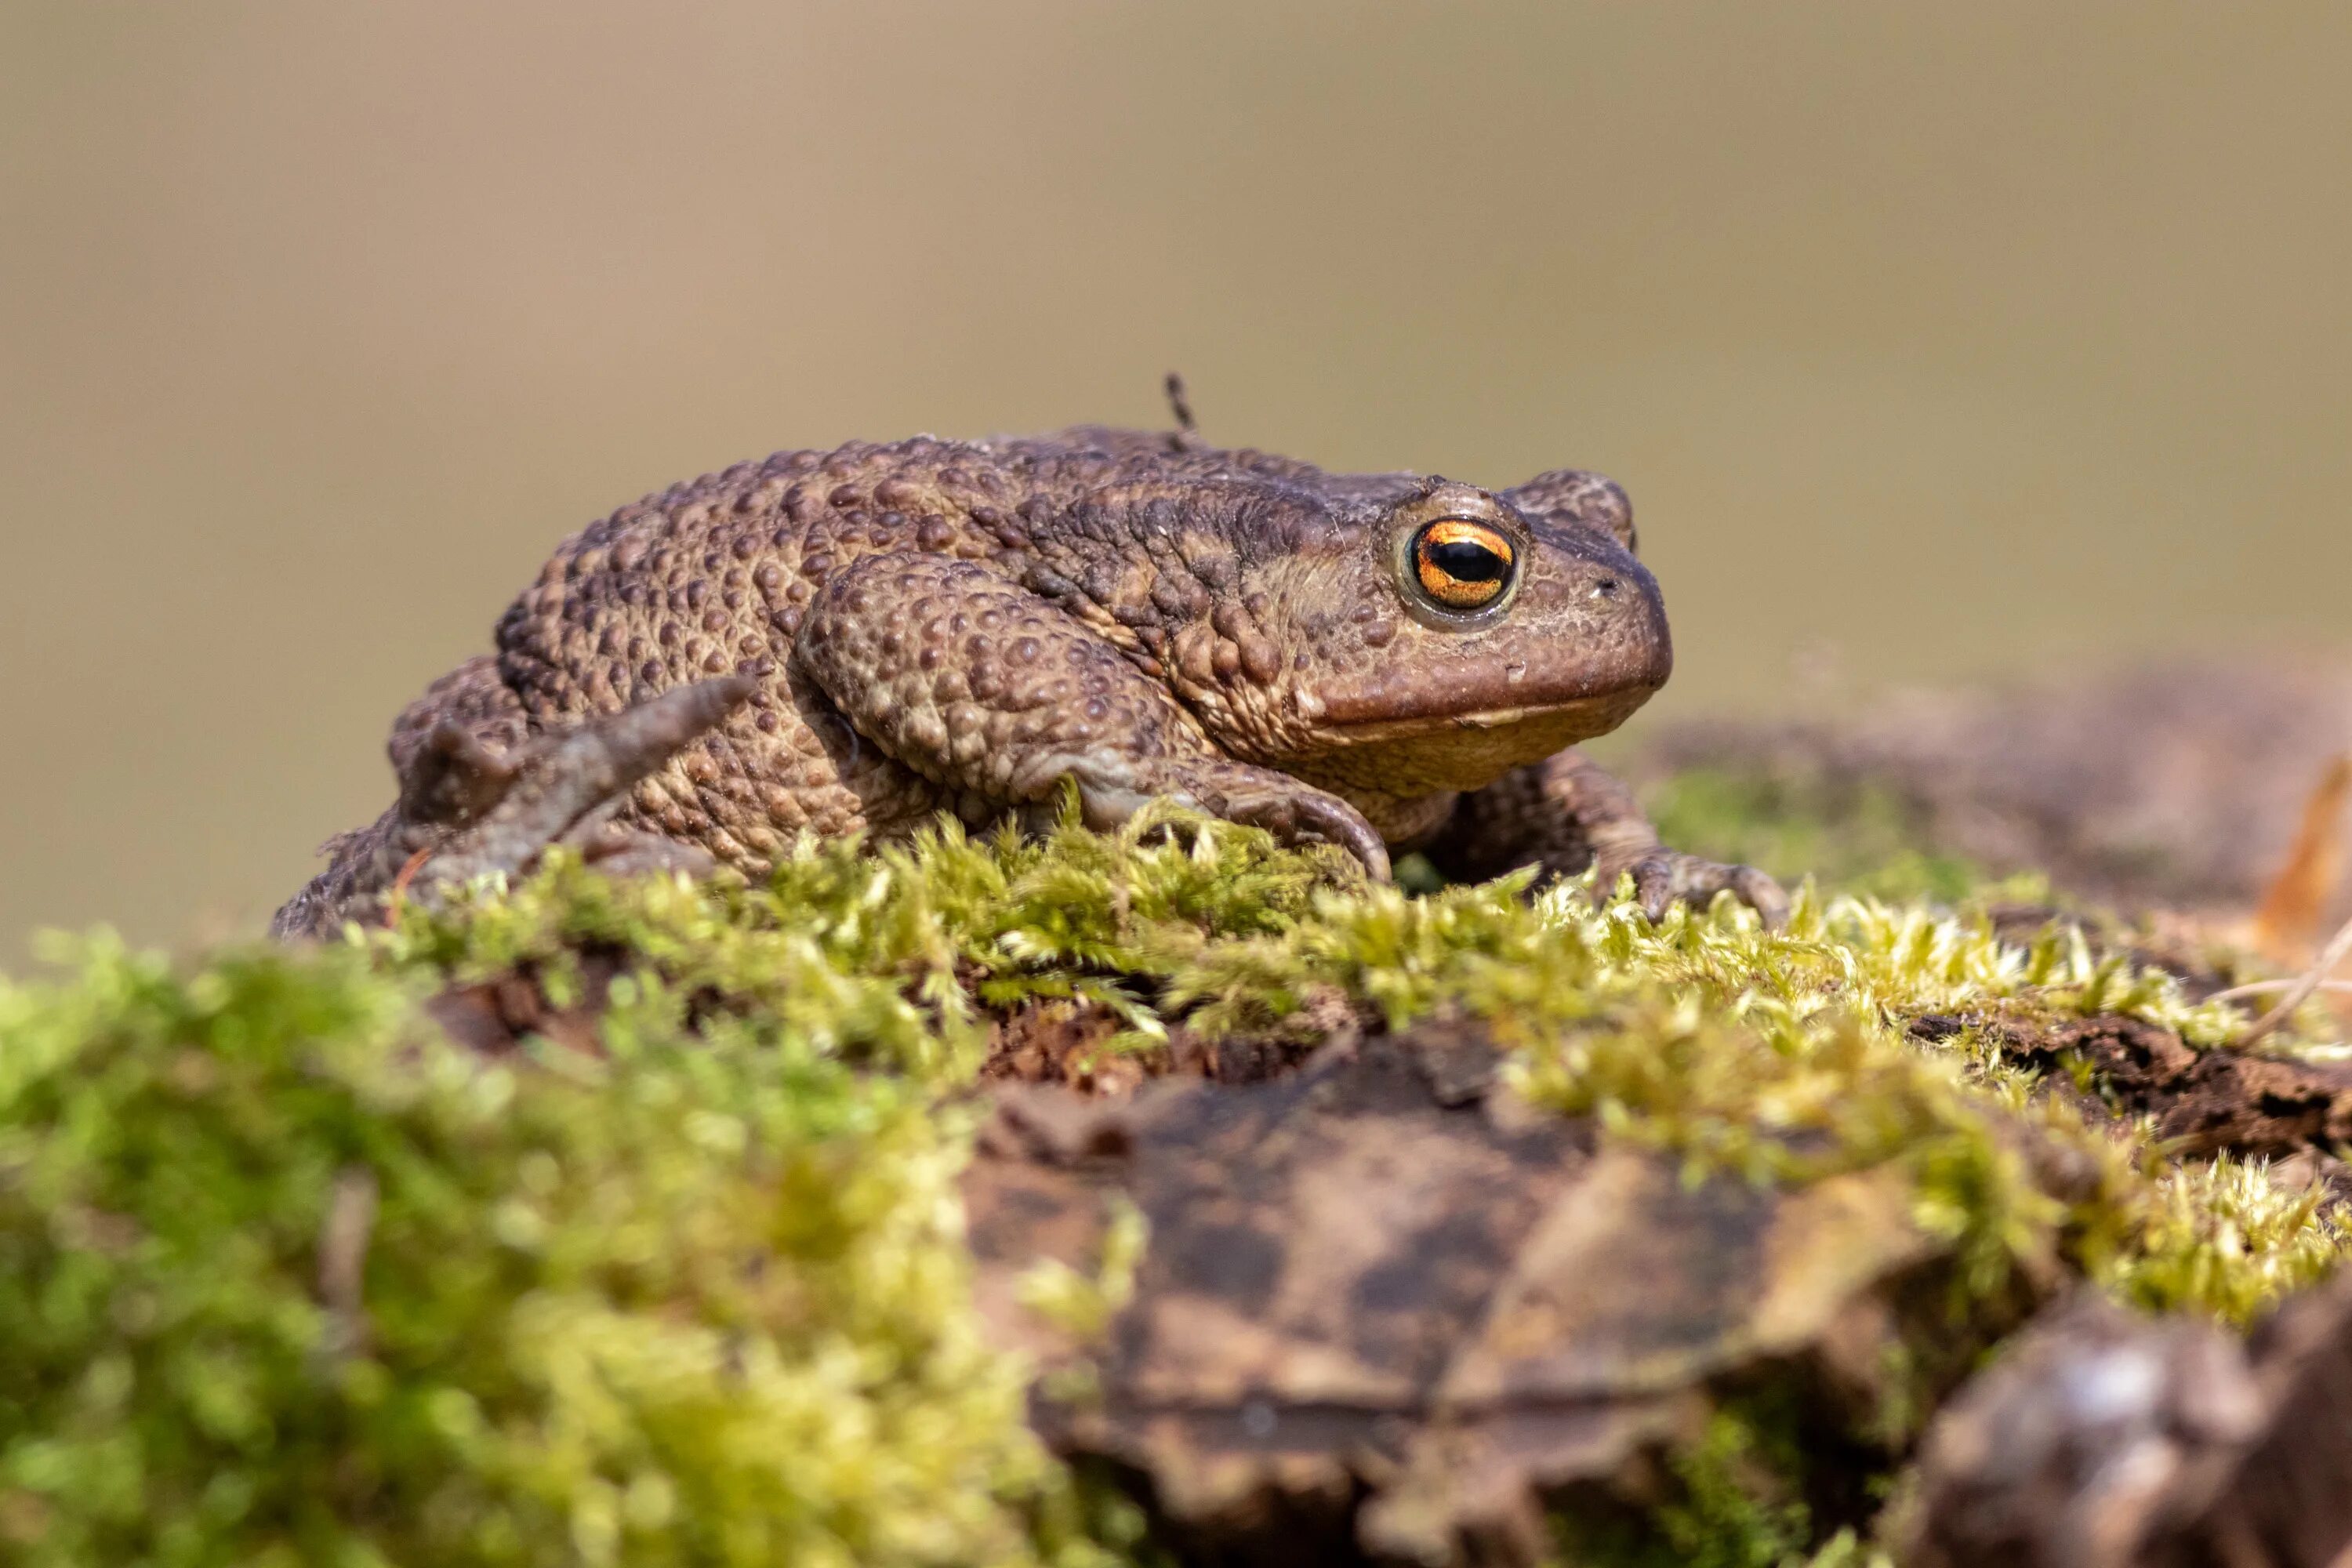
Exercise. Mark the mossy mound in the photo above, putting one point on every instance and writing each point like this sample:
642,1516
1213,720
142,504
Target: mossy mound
297,1263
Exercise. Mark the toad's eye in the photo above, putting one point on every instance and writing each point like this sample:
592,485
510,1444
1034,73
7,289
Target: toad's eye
1462,565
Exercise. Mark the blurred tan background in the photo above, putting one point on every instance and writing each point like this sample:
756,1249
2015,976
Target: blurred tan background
1957,338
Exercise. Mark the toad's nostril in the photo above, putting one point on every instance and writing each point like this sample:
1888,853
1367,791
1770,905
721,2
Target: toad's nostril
1606,587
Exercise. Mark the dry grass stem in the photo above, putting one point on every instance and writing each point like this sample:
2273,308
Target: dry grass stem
2333,953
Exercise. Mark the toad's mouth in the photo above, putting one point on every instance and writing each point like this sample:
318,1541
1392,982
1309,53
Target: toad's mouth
1579,716
1589,683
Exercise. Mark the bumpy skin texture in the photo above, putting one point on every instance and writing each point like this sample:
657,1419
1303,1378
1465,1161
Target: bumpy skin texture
857,640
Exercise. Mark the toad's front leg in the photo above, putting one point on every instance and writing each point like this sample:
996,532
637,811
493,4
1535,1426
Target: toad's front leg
989,690
1563,814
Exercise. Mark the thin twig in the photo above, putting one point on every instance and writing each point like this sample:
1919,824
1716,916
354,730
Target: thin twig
2313,979
2272,987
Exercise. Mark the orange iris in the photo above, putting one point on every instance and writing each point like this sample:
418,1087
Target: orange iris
1462,566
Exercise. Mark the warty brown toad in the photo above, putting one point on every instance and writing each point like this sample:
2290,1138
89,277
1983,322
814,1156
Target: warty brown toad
855,641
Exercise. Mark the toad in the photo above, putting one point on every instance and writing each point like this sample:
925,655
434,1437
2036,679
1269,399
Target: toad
856,641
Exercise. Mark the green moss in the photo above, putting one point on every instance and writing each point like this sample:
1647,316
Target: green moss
882,958
677,1304
1734,1504
2225,1238
1736,1510
1737,1499
610,1303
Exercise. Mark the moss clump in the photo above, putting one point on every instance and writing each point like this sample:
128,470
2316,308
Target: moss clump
1735,1507
285,1278
286,1275
889,958
2225,1236
1739,1501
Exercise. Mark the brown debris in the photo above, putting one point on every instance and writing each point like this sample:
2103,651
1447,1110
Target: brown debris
1071,1043
2102,1439
2294,905
1389,1313
2207,1102
494,1017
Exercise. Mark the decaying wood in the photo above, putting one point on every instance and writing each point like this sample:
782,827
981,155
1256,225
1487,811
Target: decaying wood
1389,1313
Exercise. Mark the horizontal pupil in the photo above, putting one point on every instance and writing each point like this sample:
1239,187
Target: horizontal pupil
1467,562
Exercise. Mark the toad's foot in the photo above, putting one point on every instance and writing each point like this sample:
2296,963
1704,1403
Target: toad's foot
466,811
1662,876
1563,815
1111,790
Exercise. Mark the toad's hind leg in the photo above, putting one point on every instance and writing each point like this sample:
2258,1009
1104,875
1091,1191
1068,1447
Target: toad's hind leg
478,796
1563,814
991,691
